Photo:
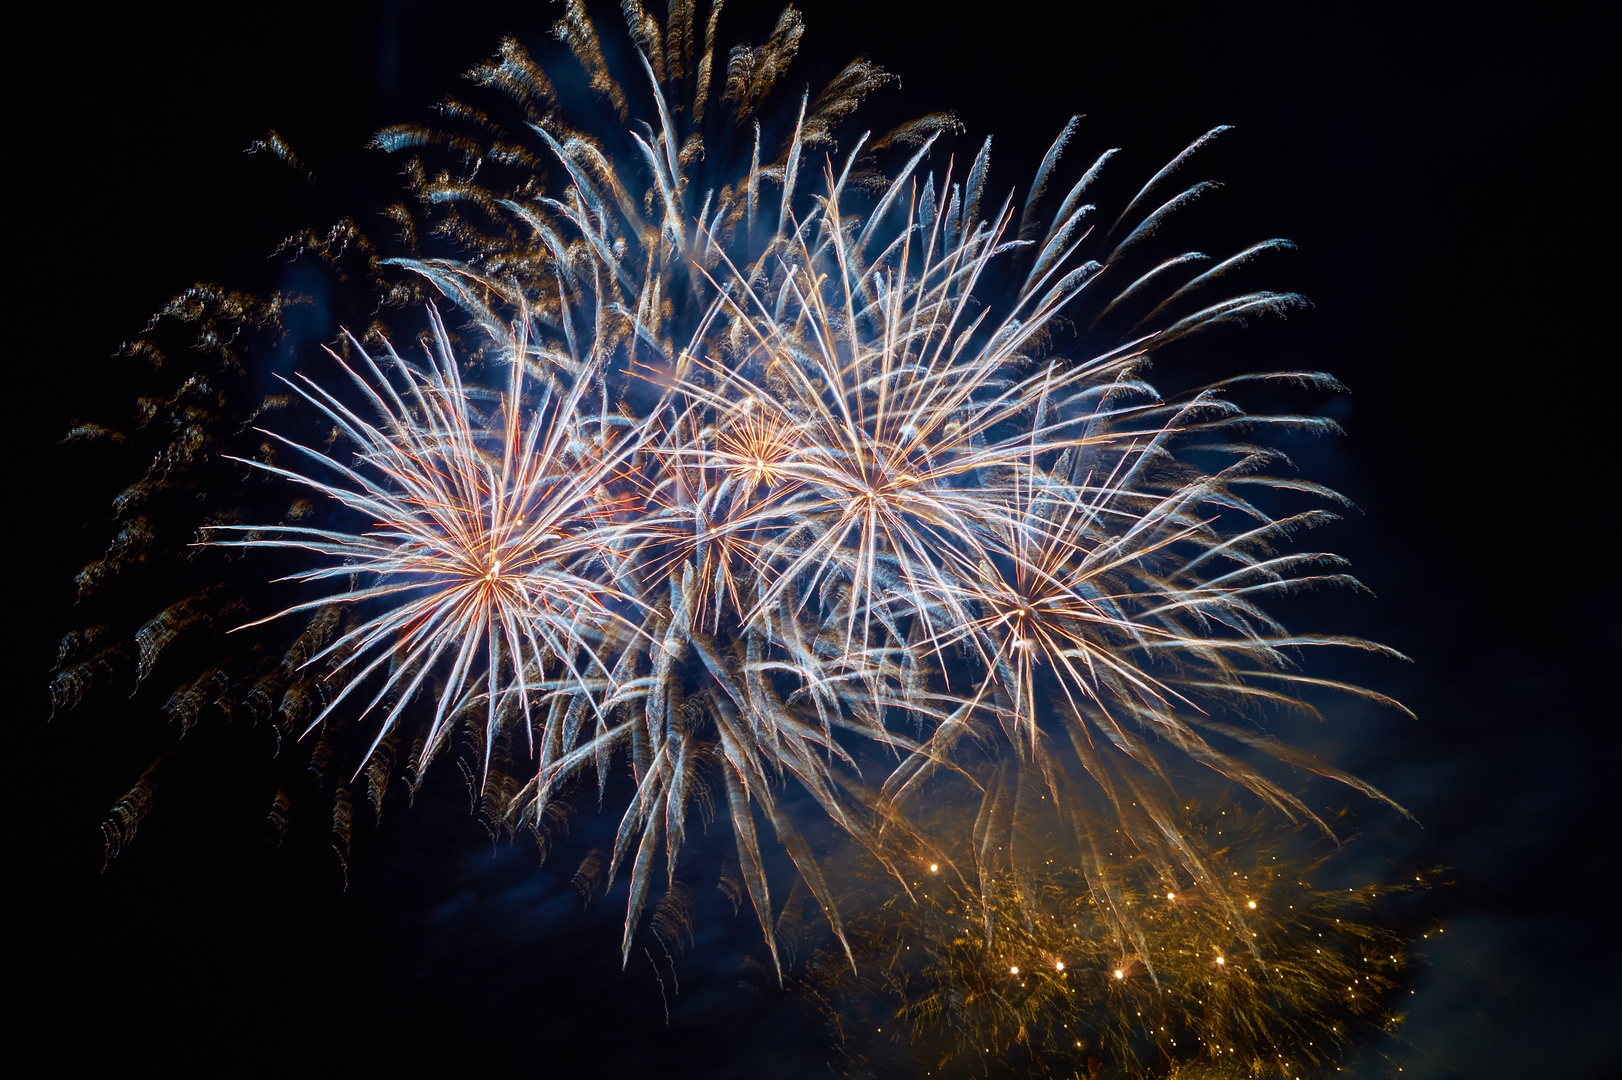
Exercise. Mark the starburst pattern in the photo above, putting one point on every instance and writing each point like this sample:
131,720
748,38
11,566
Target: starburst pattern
487,542
801,475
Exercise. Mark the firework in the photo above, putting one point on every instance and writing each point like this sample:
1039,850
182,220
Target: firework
470,548
1067,983
798,476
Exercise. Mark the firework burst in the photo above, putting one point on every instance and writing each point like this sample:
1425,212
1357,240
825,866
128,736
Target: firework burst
800,476
491,540
1102,968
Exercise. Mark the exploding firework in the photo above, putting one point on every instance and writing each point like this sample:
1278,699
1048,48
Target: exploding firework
470,549
1033,964
801,475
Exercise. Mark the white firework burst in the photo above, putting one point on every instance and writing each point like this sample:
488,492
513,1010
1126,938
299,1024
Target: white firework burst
492,542
877,504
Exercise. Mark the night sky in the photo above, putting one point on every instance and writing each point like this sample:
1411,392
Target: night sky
1439,171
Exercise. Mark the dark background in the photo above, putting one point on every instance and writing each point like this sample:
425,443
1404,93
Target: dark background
1437,165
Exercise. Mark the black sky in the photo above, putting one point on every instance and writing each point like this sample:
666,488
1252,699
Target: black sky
1439,168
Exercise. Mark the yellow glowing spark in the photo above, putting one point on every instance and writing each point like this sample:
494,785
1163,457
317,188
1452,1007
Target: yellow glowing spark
1120,974
1253,903
1013,971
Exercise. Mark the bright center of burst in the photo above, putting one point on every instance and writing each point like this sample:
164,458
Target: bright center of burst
495,568
1013,971
1120,974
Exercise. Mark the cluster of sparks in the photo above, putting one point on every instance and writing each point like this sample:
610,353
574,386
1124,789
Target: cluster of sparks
800,476
864,507
1027,966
